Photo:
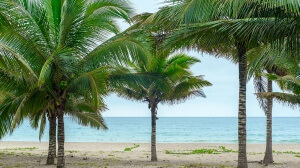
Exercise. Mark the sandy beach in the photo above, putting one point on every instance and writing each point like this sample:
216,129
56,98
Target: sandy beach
85,155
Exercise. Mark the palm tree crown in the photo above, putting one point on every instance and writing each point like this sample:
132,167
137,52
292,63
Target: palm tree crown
174,81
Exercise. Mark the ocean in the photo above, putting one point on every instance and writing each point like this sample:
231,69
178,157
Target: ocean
170,130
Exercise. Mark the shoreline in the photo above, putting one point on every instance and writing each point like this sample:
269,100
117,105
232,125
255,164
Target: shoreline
205,143
33,154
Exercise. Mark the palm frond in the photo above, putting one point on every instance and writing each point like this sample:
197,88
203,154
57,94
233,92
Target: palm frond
187,89
132,46
93,120
42,126
287,99
260,86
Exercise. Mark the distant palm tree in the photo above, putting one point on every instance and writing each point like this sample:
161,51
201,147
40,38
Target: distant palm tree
268,59
291,98
173,82
56,53
262,86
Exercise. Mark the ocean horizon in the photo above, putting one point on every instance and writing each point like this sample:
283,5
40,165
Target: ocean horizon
170,130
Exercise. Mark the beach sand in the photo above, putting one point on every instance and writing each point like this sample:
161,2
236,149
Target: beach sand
86,155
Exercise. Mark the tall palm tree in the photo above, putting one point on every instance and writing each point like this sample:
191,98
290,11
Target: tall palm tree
206,36
56,53
268,59
229,29
262,86
268,99
172,83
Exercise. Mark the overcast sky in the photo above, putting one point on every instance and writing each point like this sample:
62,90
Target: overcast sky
222,97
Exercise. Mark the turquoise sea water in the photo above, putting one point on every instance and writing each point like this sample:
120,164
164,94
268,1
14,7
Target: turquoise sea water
170,130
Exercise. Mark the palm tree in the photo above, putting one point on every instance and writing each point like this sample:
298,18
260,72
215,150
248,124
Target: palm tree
281,76
56,53
38,118
171,80
229,29
262,86
208,38
172,83
82,115
268,59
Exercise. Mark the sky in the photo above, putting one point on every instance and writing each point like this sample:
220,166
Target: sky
222,97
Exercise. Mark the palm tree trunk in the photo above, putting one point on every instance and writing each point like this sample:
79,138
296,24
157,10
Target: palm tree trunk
153,133
242,135
268,159
52,140
61,139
